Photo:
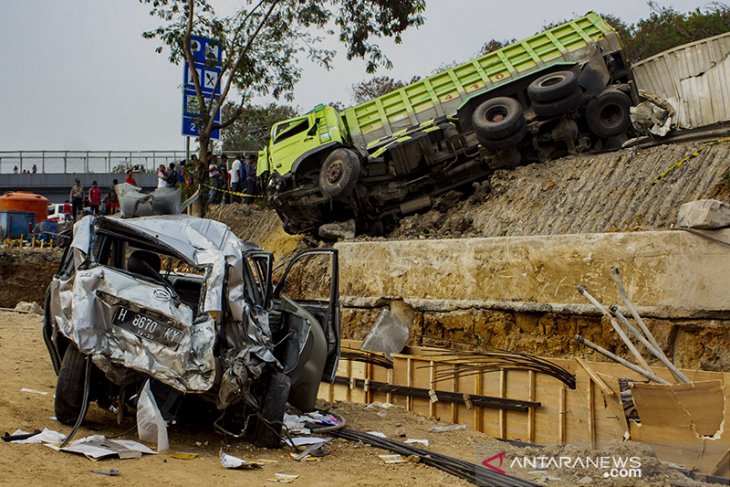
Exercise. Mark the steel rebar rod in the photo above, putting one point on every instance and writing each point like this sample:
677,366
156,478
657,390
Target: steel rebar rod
616,276
621,333
649,375
656,352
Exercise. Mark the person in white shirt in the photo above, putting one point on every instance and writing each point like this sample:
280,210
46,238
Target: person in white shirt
162,177
235,179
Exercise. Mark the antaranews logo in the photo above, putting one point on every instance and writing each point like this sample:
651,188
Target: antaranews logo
612,466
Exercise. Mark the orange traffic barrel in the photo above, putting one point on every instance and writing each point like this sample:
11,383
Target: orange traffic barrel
24,201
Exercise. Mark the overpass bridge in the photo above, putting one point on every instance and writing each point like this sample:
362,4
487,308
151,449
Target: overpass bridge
56,170
56,187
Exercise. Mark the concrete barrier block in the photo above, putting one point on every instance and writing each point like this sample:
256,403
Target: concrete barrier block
704,214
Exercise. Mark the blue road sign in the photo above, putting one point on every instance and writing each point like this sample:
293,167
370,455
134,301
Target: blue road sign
207,62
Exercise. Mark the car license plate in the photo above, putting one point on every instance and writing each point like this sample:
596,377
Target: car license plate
148,328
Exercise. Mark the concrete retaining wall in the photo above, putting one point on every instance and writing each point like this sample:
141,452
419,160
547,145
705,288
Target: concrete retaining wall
672,272
519,293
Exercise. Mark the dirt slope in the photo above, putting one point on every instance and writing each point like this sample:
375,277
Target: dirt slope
603,193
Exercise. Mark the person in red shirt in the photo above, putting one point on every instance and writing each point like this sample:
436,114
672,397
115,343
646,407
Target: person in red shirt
94,198
130,179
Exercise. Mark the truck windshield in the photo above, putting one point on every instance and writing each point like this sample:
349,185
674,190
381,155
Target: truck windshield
291,127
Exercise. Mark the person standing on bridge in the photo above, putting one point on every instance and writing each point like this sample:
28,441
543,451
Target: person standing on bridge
113,198
94,198
161,176
77,198
130,178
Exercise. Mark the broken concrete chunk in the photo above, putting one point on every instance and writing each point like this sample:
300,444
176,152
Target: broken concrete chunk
26,307
389,335
338,230
704,214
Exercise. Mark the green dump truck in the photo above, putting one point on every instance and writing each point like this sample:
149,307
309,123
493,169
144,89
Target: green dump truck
563,91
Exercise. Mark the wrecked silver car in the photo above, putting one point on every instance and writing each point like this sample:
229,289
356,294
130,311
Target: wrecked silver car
182,302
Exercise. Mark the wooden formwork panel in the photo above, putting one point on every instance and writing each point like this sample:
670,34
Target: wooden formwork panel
589,415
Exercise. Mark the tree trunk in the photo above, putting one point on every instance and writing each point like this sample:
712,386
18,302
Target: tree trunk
201,177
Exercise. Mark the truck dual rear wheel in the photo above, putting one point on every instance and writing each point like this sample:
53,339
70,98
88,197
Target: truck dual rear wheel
559,107
552,87
338,175
498,119
608,114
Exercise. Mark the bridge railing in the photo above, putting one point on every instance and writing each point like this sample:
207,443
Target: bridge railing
85,162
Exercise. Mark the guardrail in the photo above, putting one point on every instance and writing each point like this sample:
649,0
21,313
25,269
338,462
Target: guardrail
85,162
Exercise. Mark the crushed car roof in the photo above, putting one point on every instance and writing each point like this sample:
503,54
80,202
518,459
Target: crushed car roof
186,234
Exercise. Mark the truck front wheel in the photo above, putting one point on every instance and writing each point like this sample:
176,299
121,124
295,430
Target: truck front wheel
339,173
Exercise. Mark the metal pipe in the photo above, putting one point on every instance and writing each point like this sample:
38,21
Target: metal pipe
615,325
649,375
657,352
616,276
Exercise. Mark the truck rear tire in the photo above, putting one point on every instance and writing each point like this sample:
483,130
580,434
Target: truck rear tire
339,173
559,107
508,142
497,118
552,86
608,114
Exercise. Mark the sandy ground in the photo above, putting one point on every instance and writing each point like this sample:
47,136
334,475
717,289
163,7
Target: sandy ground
24,362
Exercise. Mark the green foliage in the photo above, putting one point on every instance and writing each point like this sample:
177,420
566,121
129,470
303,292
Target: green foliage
251,129
494,44
666,28
374,87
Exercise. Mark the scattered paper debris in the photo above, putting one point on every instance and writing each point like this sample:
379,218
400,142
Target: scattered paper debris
313,451
45,436
450,427
411,441
19,435
304,440
98,447
151,425
377,433
296,424
229,461
33,391
392,459
181,455
283,478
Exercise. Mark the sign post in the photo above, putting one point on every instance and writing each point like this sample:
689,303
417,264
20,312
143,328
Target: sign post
207,62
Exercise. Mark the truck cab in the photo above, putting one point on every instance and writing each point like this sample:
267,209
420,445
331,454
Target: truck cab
293,140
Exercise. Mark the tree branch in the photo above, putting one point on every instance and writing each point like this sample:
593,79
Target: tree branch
237,113
241,56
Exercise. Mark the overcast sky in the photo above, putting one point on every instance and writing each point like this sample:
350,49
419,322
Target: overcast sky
77,74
